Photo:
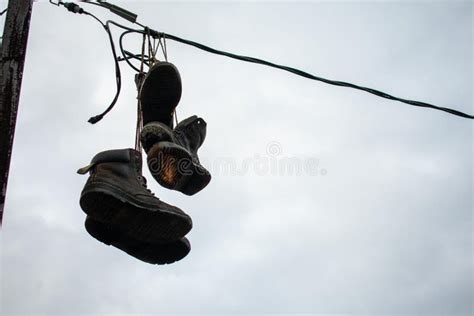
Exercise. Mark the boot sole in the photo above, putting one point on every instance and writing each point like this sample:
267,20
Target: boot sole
153,133
160,93
173,168
153,253
110,205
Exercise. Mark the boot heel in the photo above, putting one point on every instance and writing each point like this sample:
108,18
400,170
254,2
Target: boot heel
173,168
169,164
153,133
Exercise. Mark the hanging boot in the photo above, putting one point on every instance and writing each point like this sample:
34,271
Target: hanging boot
172,154
116,194
154,253
160,93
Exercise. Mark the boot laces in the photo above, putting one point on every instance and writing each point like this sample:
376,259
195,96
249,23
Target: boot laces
143,182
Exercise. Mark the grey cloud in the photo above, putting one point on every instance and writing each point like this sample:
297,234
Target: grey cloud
388,229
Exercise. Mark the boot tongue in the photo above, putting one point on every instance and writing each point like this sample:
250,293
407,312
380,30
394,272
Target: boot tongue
186,122
194,130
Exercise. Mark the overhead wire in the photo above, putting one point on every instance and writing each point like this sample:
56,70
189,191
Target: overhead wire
313,77
161,35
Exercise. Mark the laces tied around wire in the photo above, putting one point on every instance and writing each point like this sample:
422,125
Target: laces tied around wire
131,17
139,78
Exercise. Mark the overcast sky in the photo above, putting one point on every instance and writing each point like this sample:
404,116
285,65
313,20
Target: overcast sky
381,225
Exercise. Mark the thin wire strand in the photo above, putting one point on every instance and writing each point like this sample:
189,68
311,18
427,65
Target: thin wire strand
90,2
138,144
165,49
125,53
154,48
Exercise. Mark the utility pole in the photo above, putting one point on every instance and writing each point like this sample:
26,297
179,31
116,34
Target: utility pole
13,51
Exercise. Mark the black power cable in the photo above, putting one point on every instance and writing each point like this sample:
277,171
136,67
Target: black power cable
74,8
118,76
155,34
310,76
127,55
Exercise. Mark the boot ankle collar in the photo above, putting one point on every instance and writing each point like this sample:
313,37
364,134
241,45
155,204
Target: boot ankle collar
184,123
114,155
189,130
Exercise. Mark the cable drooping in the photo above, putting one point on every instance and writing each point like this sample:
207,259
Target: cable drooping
158,35
128,55
310,76
118,76
74,8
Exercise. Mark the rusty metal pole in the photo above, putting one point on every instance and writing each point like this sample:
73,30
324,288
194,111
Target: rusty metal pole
13,51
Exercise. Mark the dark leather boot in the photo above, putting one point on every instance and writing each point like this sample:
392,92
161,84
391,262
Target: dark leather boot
172,154
116,194
154,253
160,93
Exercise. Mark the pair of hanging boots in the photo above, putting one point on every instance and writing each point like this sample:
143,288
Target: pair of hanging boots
121,210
